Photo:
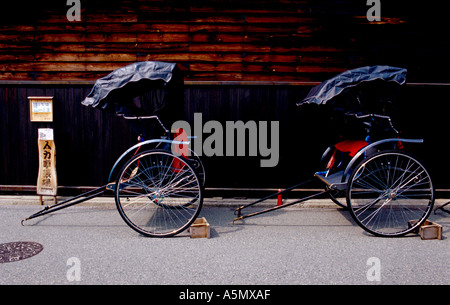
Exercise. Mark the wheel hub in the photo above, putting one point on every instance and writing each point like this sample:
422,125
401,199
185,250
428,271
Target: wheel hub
392,194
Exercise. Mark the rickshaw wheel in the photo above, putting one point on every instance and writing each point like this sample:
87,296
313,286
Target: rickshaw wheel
390,194
158,193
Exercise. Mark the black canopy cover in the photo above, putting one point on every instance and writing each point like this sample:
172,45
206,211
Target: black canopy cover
329,89
365,90
116,91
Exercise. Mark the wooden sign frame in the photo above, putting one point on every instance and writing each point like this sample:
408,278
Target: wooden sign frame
41,108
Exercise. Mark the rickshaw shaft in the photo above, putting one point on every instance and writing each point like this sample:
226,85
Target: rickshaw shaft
69,202
442,208
238,210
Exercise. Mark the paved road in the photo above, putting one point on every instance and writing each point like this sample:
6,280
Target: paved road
290,246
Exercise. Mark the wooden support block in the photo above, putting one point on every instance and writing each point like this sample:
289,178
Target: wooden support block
428,230
200,228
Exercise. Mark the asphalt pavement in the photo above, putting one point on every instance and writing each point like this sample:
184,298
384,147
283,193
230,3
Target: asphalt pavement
314,244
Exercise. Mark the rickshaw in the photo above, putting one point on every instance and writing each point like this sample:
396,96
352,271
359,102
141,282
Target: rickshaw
158,191
388,191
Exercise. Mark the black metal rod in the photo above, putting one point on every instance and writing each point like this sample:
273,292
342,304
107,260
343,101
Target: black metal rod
238,210
280,206
442,208
69,202
81,195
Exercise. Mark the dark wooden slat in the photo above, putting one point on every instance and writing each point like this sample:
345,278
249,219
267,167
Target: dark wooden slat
281,39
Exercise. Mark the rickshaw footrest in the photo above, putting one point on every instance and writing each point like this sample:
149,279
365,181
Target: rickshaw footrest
333,181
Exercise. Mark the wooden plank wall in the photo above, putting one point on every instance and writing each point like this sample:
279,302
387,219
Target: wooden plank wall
220,40
88,141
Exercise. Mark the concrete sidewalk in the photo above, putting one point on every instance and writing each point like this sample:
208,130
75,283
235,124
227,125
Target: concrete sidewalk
292,246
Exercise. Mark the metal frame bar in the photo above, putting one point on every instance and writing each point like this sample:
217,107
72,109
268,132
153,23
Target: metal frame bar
155,117
237,212
241,217
442,208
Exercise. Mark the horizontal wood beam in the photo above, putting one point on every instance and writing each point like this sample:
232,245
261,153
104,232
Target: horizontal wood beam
194,83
